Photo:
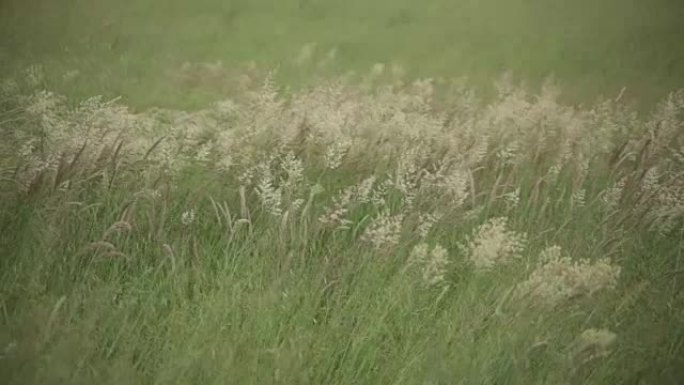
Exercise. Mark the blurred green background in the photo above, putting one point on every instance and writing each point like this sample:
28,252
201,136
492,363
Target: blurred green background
130,47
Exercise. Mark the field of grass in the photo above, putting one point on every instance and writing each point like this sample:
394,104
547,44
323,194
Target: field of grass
221,223
129,48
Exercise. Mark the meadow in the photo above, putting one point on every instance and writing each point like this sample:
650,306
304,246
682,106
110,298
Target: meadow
360,193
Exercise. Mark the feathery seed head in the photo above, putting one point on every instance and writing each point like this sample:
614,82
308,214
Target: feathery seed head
493,243
188,217
558,278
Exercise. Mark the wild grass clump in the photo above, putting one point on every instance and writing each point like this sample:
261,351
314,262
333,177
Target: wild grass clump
341,234
492,244
558,278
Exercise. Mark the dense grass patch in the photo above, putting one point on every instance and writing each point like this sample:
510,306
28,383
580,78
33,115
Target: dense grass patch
343,233
336,221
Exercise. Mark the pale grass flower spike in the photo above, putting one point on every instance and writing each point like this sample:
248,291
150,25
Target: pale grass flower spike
188,217
559,278
592,344
493,244
384,230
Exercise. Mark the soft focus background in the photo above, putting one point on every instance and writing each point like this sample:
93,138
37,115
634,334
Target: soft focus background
130,47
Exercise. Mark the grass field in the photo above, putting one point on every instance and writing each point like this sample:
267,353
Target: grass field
127,48
387,207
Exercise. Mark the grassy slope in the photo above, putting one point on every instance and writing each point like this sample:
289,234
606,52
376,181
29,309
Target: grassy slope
127,47
307,306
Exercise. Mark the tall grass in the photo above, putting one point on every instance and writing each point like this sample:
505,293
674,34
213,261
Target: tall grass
375,233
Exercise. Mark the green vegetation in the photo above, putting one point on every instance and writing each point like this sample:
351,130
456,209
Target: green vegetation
128,48
236,226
